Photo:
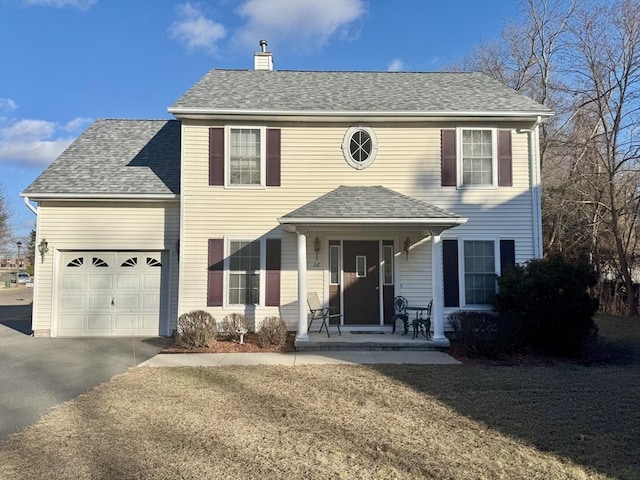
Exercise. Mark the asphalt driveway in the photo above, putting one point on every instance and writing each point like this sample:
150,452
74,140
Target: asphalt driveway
36,374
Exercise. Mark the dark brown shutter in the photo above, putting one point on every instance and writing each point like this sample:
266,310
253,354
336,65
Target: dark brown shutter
504,158
450,273
216,156
273,157
273,266
507,254
448,158
215,272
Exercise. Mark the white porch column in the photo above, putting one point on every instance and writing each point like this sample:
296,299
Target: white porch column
438,293
303,334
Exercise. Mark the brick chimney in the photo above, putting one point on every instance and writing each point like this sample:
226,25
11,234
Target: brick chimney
263,60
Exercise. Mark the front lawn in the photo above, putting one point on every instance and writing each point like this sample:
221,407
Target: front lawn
560,421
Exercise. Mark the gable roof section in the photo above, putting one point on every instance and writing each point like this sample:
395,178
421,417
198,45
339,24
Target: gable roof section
369,205
399,93
116,158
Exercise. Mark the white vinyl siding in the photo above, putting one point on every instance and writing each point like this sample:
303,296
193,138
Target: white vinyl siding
312,164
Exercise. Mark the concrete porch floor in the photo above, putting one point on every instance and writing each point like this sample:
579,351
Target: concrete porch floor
376,339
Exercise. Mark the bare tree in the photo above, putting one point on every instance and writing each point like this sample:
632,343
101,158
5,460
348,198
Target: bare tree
582,60
5,231
604,72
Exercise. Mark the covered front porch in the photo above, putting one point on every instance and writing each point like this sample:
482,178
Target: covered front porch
357,249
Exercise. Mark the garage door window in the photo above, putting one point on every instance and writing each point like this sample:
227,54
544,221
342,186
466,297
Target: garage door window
152,262
131,262
98,262
76,262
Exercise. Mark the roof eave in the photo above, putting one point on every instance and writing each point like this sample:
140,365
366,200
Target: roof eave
164,197
203,113
292,223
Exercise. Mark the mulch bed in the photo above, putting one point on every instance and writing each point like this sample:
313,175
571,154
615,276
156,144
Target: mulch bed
228,345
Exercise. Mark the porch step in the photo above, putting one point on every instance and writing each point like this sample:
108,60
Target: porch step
338,345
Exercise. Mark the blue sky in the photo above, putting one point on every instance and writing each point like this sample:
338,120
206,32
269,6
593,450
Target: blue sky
66,63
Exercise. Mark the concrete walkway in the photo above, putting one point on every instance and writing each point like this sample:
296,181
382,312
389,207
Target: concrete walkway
299,358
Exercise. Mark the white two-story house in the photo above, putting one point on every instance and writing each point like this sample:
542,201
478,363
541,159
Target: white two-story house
268,185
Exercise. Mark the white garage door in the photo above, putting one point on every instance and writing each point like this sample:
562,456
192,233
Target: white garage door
110,293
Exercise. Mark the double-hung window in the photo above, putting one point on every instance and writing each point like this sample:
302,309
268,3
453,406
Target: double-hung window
244,272
478,157
246,156
479,271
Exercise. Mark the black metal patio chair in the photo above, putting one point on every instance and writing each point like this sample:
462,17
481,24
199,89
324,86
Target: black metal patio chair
400,313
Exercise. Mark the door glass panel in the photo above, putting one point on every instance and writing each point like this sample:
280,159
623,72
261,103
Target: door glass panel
387,257
334,264
361,266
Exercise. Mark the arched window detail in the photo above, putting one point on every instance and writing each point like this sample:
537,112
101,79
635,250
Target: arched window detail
152,262
131,262
98,262
76,262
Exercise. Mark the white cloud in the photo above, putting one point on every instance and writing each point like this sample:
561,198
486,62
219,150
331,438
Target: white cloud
307,24
7,105
79,4
28,142
77,124
396,65
195,30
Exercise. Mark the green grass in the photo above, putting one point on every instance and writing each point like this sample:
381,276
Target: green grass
559,421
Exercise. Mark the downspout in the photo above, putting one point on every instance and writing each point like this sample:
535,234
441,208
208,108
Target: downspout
27,202
36,270
536,187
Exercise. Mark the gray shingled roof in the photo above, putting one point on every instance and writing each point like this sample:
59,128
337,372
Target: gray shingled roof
116,157
279,90
366,203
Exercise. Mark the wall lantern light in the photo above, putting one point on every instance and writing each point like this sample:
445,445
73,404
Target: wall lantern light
406,246
18,265
316,247
43,247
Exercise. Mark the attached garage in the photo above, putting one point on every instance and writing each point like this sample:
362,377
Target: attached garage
108,212
105,293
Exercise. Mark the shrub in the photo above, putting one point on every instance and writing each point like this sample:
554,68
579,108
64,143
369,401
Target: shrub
235,326
553,296
273,331
196,329
488,334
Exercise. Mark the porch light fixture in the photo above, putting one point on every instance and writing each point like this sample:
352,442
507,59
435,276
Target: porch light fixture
43,247
316,247
405,248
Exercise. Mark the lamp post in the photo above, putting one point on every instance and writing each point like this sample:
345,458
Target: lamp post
18,264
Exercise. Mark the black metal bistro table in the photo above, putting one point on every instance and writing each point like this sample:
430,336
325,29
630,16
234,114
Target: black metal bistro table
422,318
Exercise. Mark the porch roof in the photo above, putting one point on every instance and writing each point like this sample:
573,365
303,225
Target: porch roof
369,206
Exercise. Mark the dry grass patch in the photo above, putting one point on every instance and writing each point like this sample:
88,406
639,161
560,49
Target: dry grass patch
404,422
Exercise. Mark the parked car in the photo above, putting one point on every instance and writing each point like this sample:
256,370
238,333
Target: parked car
23,277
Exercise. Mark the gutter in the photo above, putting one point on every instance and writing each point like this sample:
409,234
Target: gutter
353,113
105,196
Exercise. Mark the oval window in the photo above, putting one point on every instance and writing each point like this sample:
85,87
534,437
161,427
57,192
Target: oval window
359,147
